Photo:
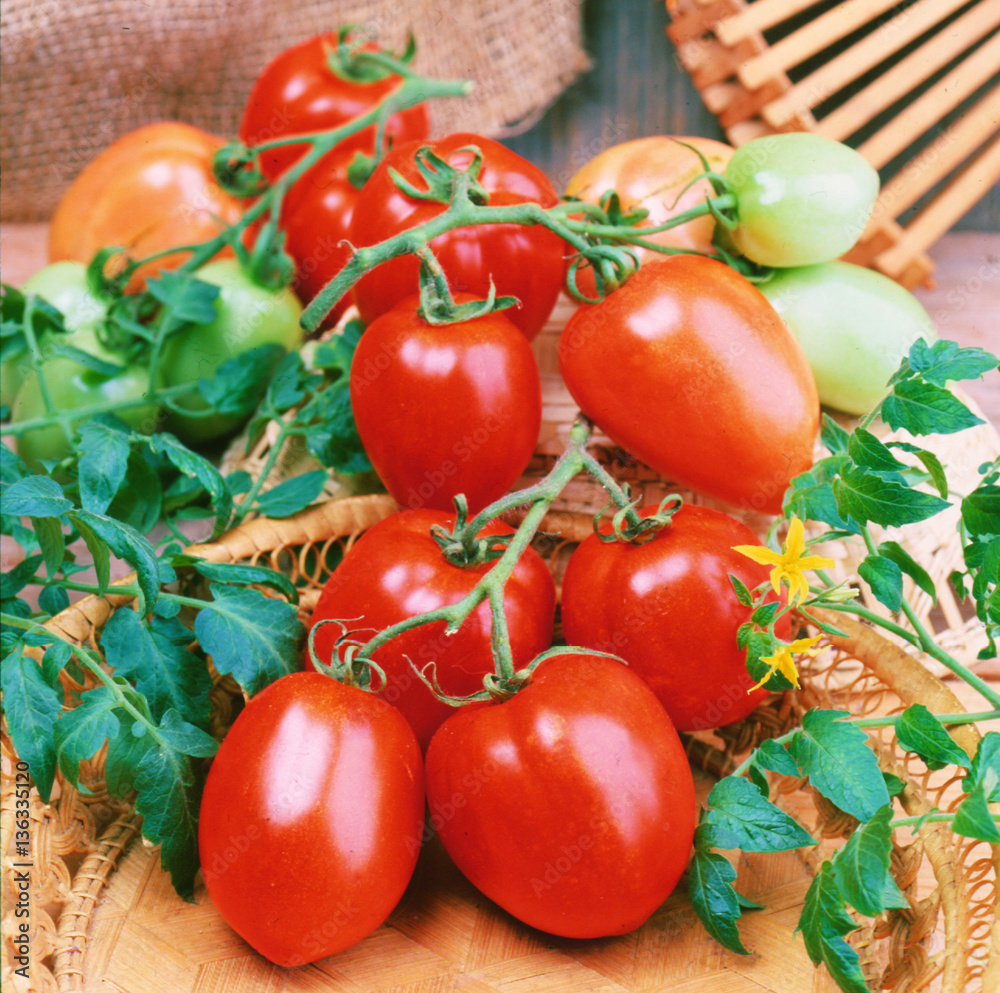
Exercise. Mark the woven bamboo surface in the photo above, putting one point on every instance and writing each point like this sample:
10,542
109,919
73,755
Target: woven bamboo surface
911,85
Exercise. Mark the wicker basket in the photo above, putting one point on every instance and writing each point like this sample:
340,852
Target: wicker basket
105,916
903,82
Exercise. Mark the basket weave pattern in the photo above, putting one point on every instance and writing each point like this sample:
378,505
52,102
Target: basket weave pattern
91,930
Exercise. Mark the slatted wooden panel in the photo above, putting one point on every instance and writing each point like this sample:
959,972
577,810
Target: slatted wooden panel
906,83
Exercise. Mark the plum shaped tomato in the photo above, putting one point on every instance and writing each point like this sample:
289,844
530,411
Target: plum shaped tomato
854,324
151,190
658,173
446,409
311,818
299,92
666,606
397,570
523,261
801,198
690,369
571,804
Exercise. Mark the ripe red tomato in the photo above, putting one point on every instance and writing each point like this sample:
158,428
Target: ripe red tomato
297,93
316,218
667,607
524,261
151,190
690,369
311,818
446,409
571,804
396,570
659,174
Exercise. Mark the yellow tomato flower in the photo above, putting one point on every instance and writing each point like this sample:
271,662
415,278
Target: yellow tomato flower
790,563
782,660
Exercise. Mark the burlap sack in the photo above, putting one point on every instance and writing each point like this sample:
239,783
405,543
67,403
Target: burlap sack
76,74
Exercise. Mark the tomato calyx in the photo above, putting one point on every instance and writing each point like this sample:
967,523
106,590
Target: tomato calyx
445,182
462,546
437,305
356,59
345,665
626,529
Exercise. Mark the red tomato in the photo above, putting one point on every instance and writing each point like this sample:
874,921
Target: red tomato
297,92
667,607
571,804
446,409
524,261
657,174
316,218
311,818
151,190
396,570
690,369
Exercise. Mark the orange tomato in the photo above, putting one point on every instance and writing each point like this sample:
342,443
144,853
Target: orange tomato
652,173
151,190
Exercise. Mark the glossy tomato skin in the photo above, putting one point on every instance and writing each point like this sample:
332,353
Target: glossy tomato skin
395,571
524,261
311,818
691,370
446,409
298,93
571,805
667,607
658,174
151,190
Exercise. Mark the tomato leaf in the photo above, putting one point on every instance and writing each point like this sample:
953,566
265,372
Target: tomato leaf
187,298
861,867
14,580
102,465
31,706
740,817
895,552
155,658
51,542
35,496
885,579
53,599
973,818
836,758
774,756
810,496
987,758
930,462
332,436
80,732
866,450
862,497
980,511
235,572
945,361
239,384
168,799
125,542
253,637
139,500
835,439
185,737
292,495
824,922
924,408
125,751
919,731
741,591
710,878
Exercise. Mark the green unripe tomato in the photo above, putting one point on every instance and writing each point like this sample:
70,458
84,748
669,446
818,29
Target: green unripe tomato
72,386
249,315
854,325
64,285
801,198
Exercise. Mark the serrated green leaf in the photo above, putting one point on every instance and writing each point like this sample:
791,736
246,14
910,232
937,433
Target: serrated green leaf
710,890
168,799
924,408
128,544
53,599
885,579
741,590
51,542
861,867
836,758
100,554
893,783
810,496
255,638
292,495
54,660
288,385
186,297
739,817
893,898
864,498
930,462
824,923
987,757
239,574
125,752
35,496
12,467
775,757
919,731
14,580
102,464
31,706
834,438
981,511
185,737
945,361
139,500
240,383
332,436
895,552
80,732
973,818
156,659
866,450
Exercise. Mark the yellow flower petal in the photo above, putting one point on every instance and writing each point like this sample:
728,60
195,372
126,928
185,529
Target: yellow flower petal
795,543
815,562
760,554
